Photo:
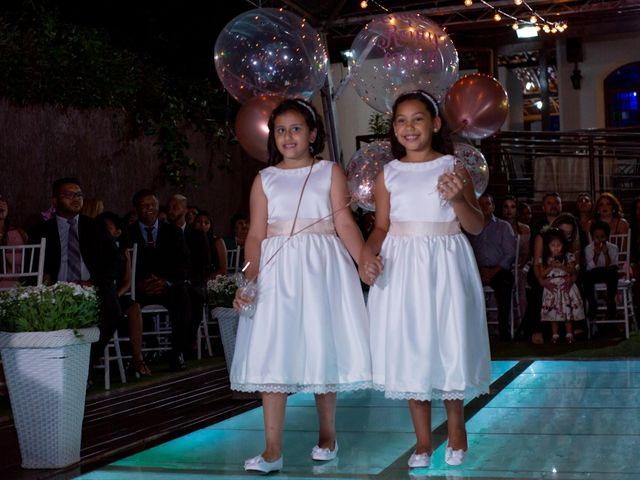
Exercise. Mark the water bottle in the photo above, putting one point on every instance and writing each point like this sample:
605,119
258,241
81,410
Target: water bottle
248,292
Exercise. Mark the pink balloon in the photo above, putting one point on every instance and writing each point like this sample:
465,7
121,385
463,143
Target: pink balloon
476,106
252,127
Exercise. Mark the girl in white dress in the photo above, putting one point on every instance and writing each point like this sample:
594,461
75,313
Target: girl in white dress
310,329
426,306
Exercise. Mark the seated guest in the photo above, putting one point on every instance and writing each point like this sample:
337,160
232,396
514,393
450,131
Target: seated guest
524,213
162,270
584,211
602,267
240,227
80,250
190,217
116,228
92,207
218,252
495,252
200,259
9,236
609,210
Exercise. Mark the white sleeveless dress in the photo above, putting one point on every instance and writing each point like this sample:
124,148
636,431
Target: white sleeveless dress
428,324
310,331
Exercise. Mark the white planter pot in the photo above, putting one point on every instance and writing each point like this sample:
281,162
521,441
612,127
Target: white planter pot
47,380
228,320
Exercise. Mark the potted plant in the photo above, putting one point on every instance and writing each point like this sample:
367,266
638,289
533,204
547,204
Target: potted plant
45,339
220,293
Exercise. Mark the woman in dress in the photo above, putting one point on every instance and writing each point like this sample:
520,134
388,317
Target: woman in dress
310,331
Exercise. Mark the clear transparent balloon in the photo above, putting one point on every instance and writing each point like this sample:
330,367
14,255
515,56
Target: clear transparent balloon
362,170
270,52
475,163
396,54
249,293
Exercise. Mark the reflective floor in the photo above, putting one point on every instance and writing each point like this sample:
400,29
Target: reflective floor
543,419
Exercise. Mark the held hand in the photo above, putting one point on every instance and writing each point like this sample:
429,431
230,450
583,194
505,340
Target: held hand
370,267
241,299
451,186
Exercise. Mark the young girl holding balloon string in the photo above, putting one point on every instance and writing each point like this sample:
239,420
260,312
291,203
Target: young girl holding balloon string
426,304
309,332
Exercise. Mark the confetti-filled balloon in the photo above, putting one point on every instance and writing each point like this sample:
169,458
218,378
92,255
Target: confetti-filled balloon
252,127
395,54
476,165
476,106
270,52
363,169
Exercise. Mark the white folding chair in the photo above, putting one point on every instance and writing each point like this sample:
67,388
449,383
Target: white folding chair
233,259
624,297
21,262
204,331
491,302
114,343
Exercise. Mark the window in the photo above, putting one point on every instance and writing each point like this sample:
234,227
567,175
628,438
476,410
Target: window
621,89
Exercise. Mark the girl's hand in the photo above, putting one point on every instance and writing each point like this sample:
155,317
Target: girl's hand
549,285
370,266
241,300
451,186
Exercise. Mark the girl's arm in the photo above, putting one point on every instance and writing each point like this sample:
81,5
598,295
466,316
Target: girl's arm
346,226
371,265
221,253
457,187
257,228
126,280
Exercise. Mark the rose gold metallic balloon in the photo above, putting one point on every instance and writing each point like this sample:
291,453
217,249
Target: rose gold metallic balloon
476,106
252,125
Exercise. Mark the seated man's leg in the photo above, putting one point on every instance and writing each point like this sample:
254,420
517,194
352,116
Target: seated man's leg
179,305
502,284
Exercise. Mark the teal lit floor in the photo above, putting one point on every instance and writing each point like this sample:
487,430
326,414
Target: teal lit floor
544,419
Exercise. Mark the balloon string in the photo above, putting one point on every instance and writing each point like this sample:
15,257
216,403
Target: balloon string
293,234
465,123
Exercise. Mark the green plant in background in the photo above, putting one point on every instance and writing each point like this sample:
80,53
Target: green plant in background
48,308
379,124
222,290
44,60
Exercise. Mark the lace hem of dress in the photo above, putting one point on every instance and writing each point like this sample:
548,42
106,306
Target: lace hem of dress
434,394
285,388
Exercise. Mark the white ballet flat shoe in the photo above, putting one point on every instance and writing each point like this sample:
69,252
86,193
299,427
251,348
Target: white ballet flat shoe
454,457
324,454
419,460
259,464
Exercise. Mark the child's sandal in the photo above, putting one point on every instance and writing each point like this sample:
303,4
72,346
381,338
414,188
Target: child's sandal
569,337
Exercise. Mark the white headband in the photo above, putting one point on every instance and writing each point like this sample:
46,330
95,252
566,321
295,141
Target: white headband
431,100
304,104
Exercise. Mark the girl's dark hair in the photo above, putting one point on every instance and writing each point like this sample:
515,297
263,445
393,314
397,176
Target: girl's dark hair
311,118
567,219
441,140
119,223
553,234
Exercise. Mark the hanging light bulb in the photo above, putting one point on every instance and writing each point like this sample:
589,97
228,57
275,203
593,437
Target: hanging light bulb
533,19
515,26
468,3
546,29
364,4
517,2
497,17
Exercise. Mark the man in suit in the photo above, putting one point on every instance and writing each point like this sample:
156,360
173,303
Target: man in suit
80,250
200,258
162,270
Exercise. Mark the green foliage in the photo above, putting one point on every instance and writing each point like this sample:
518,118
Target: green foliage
46,61
379,124
48,308
221,290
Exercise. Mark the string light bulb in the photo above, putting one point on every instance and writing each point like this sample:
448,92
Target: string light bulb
468,3
364,4
533,19
517,2
515,26
497,17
